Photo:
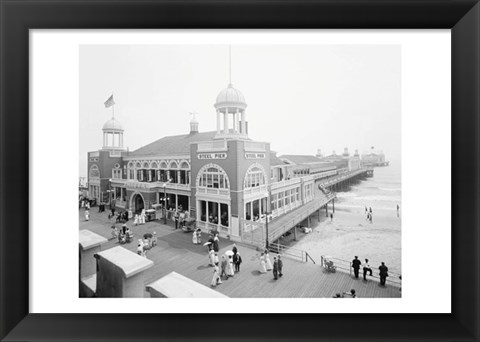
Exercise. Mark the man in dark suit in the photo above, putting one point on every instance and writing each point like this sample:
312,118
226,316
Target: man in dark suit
383,273
275,268
356,266
279,266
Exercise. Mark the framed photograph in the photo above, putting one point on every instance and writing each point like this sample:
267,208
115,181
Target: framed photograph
228,164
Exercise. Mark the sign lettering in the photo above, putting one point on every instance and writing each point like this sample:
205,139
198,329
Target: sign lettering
212,156
254,155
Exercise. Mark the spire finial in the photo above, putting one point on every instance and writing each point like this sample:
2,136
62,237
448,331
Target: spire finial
230,64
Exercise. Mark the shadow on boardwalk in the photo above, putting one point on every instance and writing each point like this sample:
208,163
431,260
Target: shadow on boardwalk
176,252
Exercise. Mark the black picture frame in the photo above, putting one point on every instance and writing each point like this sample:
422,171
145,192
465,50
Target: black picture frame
17,17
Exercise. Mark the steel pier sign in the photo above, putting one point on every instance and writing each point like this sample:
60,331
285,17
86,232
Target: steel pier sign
212,155
254,155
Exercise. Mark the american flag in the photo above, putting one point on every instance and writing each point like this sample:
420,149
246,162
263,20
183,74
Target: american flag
109,102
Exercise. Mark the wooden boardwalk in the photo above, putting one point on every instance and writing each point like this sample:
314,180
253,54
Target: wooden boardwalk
176,252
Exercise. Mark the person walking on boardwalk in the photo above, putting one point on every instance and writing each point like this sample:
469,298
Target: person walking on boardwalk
211,258
194,237
331,217
176,219
234,249
263,268
87,215
279,266
383,273
275,268
223,266
366,268
356,266
237,260
216,277
398,210
268,263
199,236
215,243
230,271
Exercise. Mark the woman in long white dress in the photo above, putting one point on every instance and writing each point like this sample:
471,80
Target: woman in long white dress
268,262
194,238
211,258
230,271
216,277
263,268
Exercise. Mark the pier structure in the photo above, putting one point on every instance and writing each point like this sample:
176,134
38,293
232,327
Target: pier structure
228,183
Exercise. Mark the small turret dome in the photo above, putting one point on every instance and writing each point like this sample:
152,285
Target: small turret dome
230,97
112,125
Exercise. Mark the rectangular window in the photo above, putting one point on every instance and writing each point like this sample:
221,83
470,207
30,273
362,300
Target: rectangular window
224,214
248,211
287,197
203,211
280,200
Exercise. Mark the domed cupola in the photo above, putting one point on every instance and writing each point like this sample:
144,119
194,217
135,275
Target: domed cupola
231,103
230,97
112,135
112,125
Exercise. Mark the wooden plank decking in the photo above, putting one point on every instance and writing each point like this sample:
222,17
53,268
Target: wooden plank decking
176,252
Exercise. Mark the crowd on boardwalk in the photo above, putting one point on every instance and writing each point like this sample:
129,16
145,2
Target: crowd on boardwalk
230,262
225,266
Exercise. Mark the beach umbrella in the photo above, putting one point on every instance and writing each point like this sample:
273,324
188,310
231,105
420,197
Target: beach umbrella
229,253
207,243
147,236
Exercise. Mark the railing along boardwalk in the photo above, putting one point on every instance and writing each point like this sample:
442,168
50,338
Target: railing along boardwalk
175,252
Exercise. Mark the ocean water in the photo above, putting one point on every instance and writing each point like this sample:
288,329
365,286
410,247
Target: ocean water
381,192
350,233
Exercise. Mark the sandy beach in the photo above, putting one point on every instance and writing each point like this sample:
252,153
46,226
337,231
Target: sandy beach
350,234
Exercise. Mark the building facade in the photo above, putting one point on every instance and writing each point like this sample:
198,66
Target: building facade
223,179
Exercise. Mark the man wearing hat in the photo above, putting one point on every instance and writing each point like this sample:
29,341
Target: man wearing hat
356,266
279,266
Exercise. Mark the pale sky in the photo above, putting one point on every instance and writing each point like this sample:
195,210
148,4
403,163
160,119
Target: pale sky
300,97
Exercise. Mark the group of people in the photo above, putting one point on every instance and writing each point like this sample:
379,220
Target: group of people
179,218
124,235
229,265
369,213
139,219
266,264
351,294
197,236
148,242
383,270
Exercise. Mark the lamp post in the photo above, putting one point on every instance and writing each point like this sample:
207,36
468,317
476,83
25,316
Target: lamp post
267,213
165,201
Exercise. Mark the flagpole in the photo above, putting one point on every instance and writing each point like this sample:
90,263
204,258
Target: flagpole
113,108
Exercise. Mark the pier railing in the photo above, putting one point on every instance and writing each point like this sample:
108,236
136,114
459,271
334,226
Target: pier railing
346,267
290,252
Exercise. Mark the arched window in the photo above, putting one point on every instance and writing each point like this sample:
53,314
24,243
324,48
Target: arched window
184,165
94,171
173,165
145,165
154,165
255,176
212,176
139,166
163,165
